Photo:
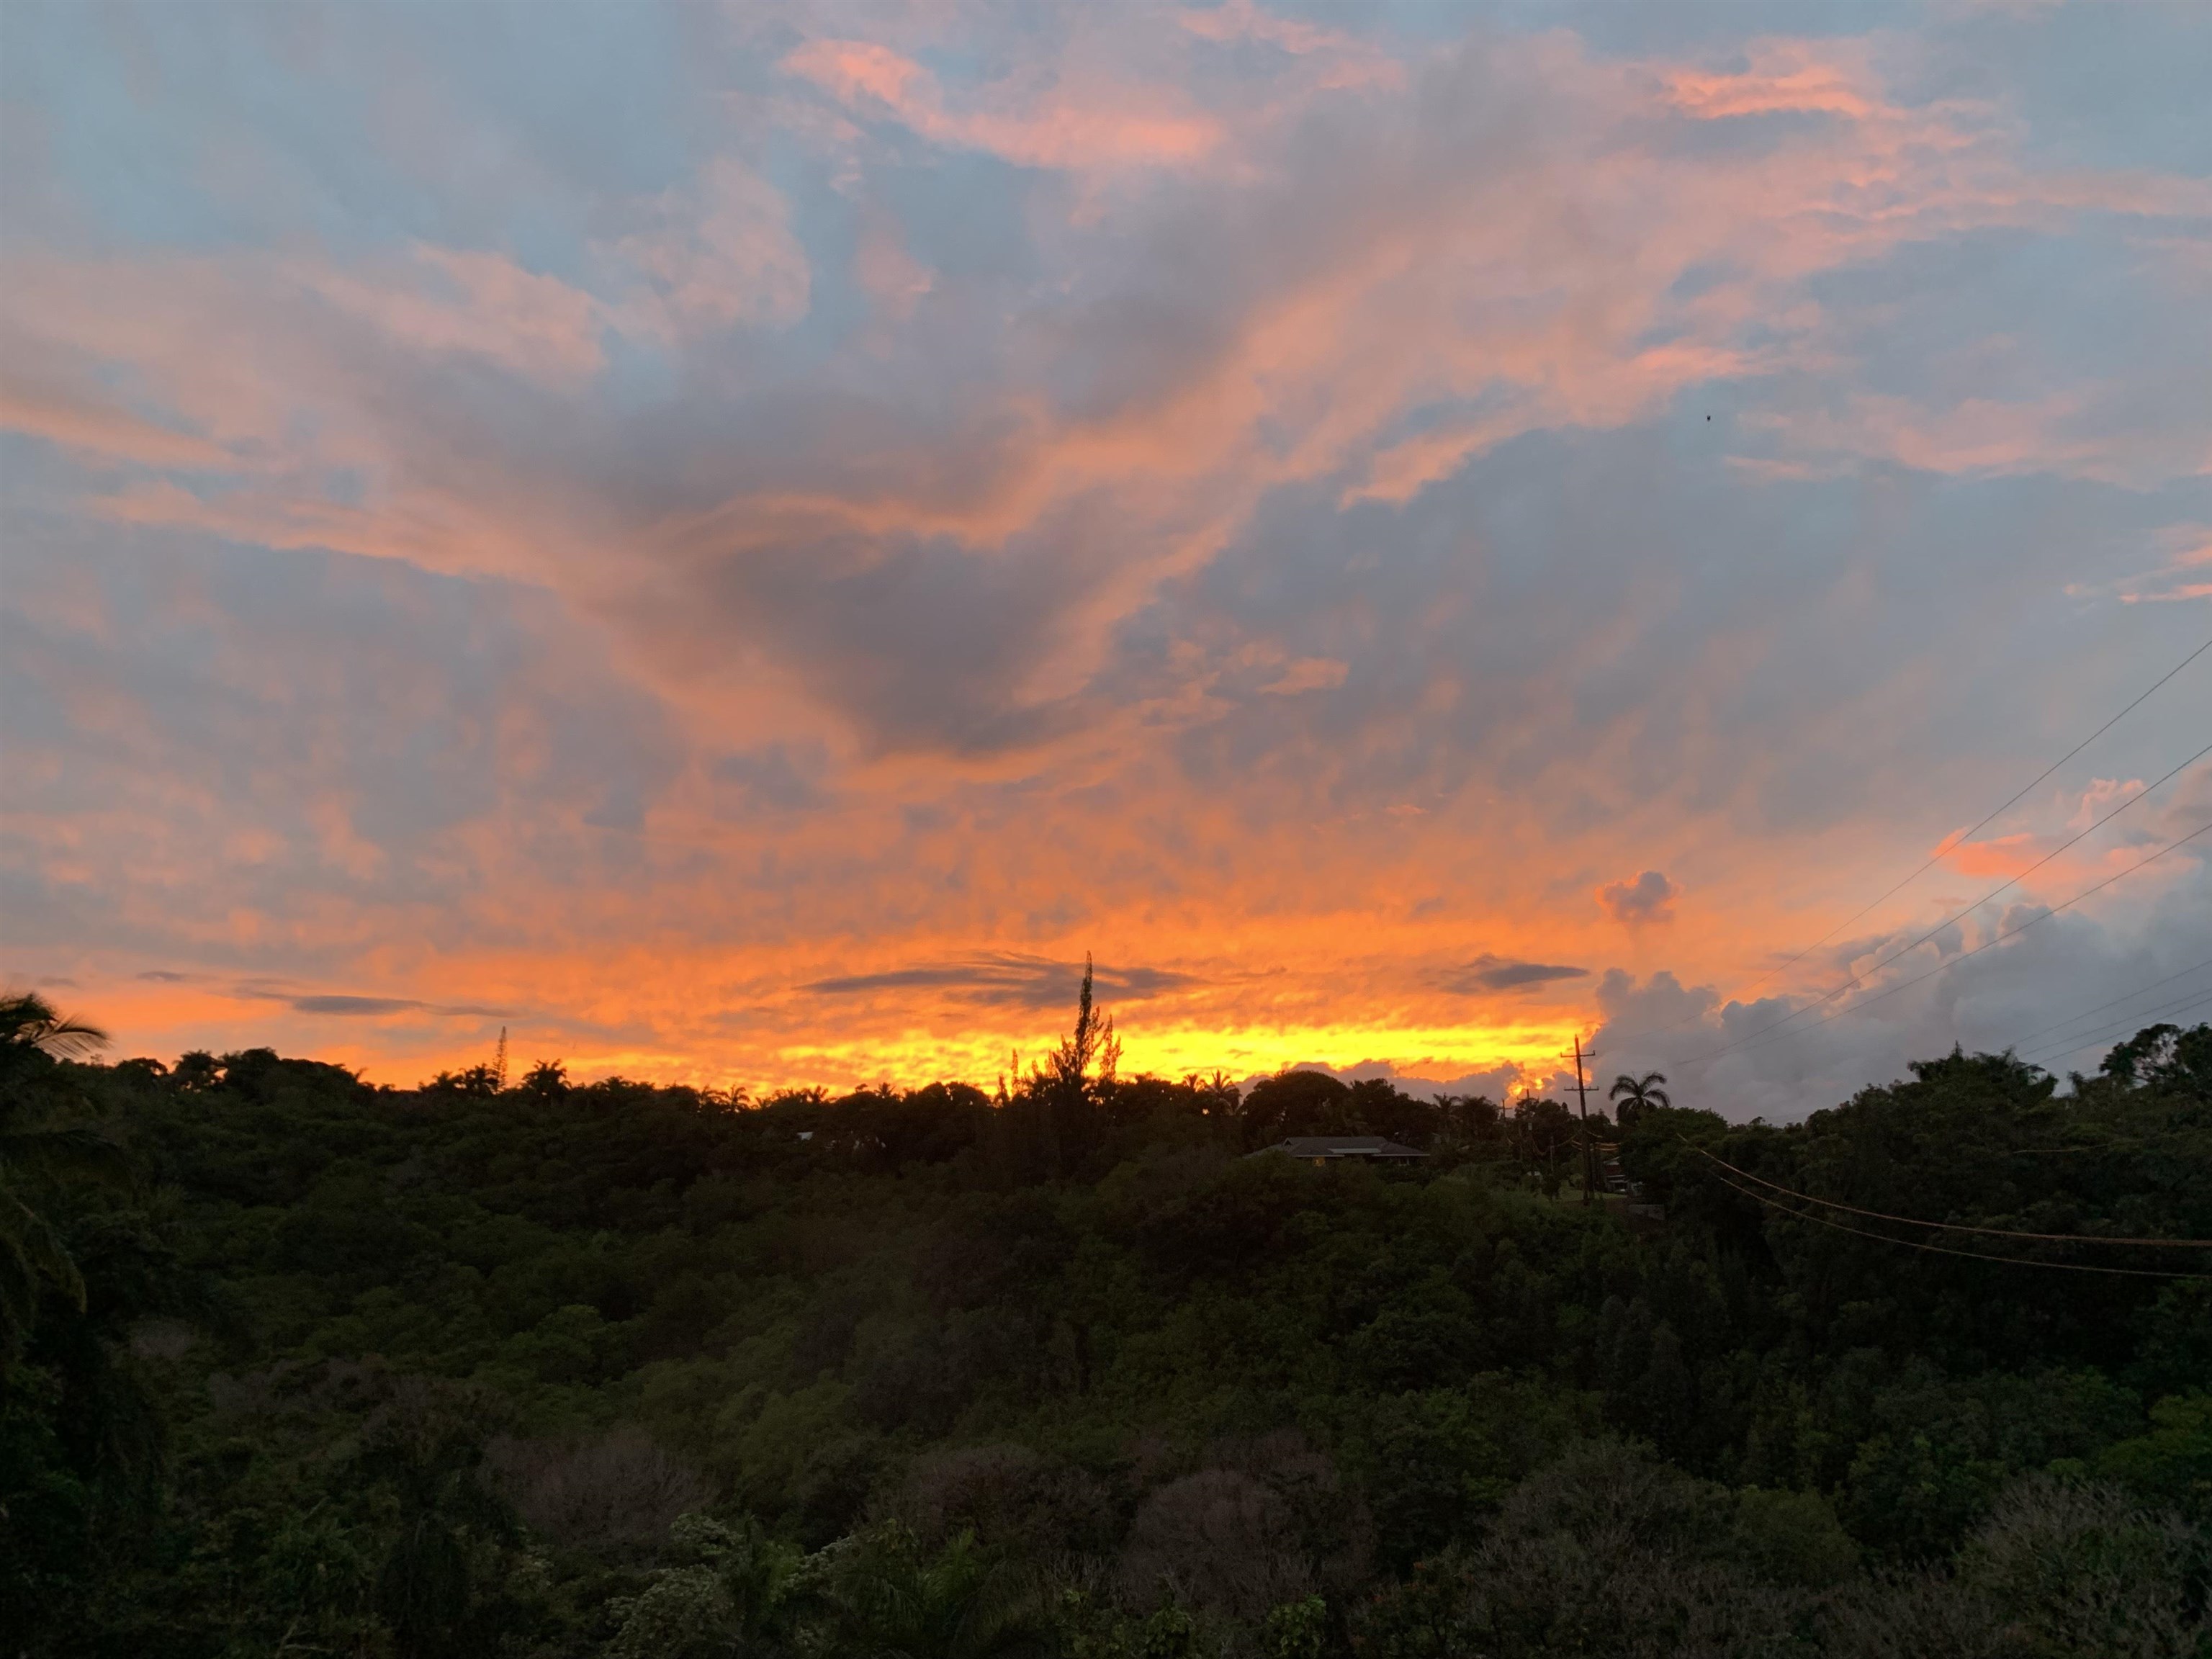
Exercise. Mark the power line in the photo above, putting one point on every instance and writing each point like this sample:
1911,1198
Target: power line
2082,1039
1860,977
1949,844
2111,1144
2060,1024
1953,961
2111,1037
2115,1030
1945,1250
1948,1226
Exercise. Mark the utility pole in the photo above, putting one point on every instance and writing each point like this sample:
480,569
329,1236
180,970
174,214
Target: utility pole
1581,1097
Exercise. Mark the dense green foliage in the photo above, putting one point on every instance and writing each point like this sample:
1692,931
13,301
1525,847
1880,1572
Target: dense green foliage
297,1365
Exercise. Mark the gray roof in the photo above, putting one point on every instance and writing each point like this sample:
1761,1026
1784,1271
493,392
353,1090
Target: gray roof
1340,1146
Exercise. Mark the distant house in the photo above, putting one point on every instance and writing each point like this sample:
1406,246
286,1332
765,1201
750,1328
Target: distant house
1331,1149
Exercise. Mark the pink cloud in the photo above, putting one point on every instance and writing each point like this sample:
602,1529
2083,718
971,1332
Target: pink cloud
1056,127
718,254
78,422
1240,19
449,300
2181,577
1349,61
1459,287
1780,76
887,269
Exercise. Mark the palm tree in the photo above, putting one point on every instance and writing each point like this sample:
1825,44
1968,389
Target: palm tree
1637,1095
36,1149
28,1020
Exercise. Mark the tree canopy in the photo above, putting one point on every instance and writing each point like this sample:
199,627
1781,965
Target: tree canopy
295,1364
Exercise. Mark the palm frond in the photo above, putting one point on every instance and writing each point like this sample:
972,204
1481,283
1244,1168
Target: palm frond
27,1018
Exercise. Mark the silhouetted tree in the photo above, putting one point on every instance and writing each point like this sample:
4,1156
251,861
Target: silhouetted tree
478,1082
548,1080
29,1021
40,1146
1062,1095
1088,1056
196,1071
1637,1094
812,1312
1300,1103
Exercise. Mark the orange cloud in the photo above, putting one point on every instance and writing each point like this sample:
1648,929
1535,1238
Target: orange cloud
2004,856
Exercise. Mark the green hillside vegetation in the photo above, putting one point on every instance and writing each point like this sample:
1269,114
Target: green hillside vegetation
296,1365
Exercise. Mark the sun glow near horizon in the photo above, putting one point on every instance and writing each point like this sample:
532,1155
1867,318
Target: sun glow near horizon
407,1046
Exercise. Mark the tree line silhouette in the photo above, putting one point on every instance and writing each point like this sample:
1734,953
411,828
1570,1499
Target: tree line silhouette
290,1364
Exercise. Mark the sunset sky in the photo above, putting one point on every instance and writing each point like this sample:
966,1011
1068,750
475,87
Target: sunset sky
738,544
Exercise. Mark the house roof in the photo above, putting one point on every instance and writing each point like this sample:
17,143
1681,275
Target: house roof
1340,1146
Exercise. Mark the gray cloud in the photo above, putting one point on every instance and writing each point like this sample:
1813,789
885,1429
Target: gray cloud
777,777
344,1005
2044,993
1492,973
347,1006
1009,981
1649,897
